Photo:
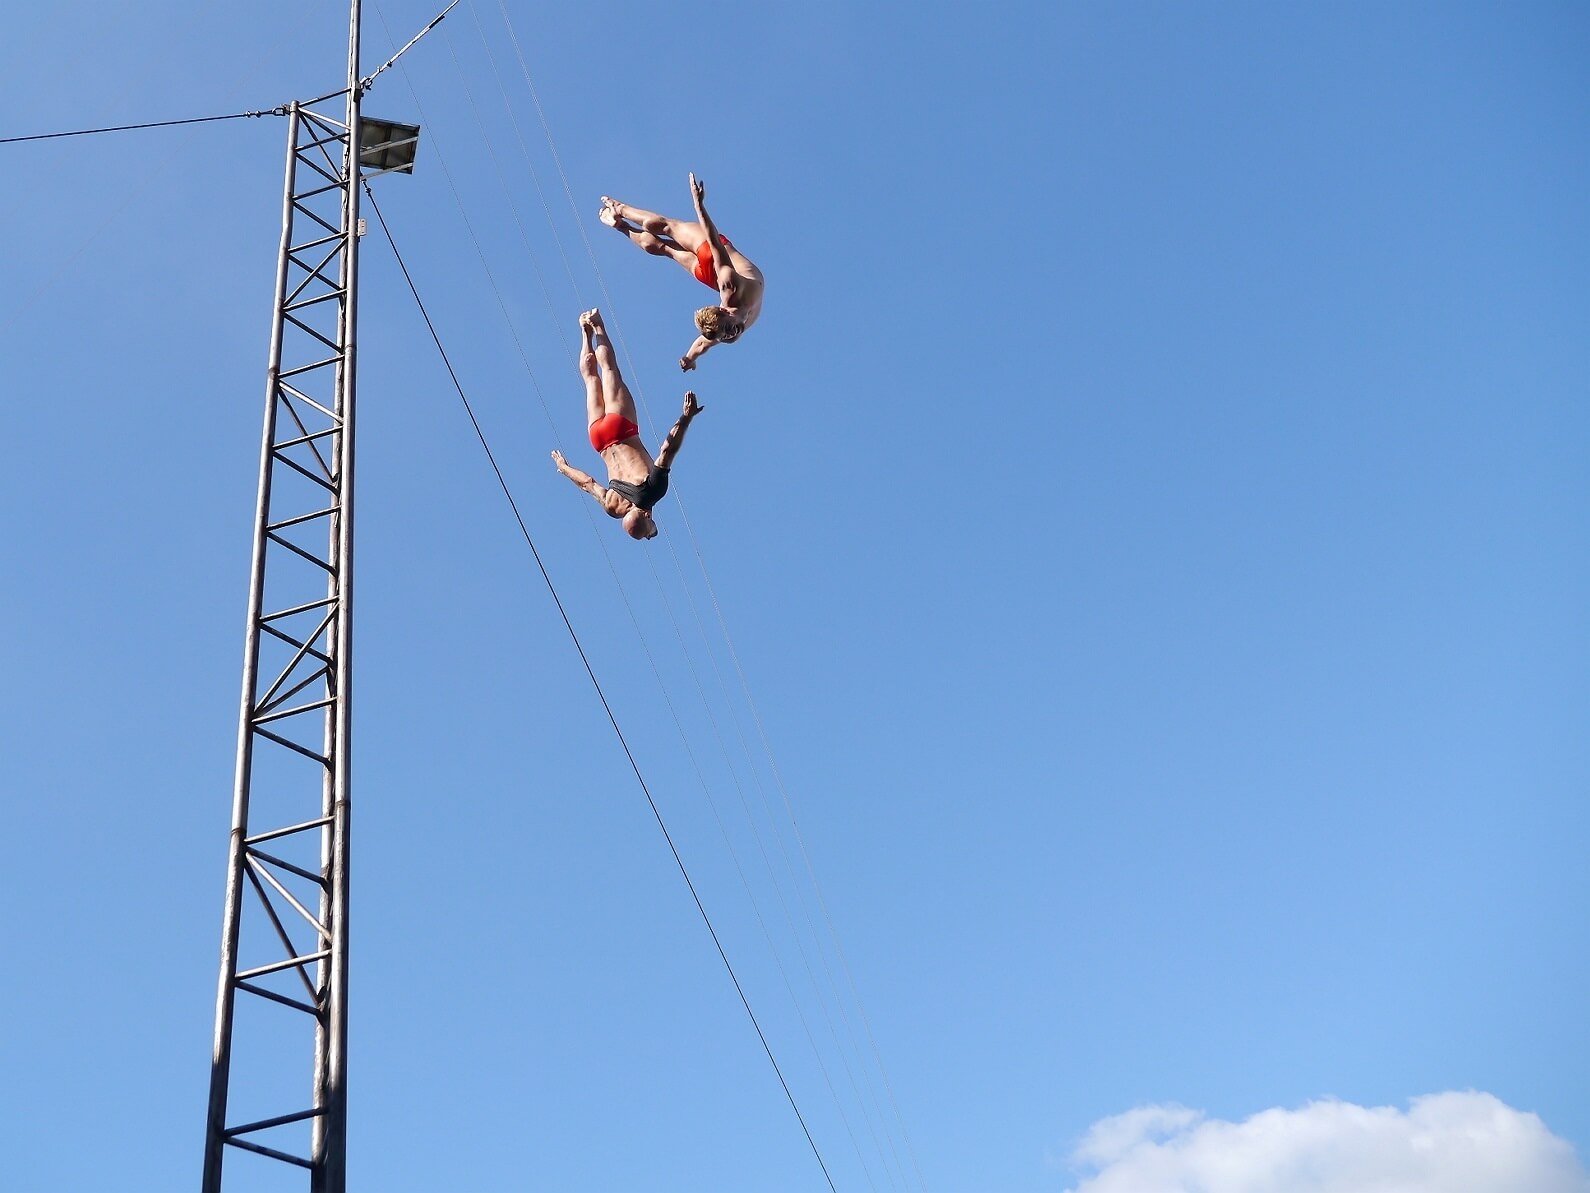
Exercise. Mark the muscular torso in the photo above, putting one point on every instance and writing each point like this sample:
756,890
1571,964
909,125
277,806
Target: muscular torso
746,304
627,461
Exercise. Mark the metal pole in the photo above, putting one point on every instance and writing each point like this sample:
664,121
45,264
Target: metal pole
221,1053
329,1136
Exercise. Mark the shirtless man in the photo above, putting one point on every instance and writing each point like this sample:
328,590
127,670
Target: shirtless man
706,255
635,482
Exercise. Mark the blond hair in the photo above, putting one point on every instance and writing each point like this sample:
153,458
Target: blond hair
710,321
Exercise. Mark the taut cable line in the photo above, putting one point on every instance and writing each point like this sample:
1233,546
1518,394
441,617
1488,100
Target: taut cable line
619,585
279,110
595,682
617,328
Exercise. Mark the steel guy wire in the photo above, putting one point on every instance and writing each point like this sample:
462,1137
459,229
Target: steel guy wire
601,281
595,682
640,633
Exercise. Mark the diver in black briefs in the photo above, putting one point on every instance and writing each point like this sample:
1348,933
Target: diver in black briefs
635,482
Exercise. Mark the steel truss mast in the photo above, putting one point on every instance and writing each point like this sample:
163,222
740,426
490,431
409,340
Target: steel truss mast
281,1007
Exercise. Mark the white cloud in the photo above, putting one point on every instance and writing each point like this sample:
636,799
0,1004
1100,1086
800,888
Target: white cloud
1443,1143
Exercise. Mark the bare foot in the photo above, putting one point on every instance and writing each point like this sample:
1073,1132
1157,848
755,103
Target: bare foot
610,213
591,318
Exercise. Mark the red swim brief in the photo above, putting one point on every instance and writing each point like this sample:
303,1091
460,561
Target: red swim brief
611,429
706,271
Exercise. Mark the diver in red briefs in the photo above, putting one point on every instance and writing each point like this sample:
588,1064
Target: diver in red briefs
635,482
708,256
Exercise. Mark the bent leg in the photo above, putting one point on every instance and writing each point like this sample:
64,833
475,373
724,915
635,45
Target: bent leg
655,233
657,246
685,233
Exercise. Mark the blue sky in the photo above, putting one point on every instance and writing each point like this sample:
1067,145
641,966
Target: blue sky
1150,516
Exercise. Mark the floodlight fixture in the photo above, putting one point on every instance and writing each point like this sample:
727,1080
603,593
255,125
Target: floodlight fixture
387,147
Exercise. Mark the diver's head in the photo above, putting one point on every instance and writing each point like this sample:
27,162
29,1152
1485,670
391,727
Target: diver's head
638,524
718,325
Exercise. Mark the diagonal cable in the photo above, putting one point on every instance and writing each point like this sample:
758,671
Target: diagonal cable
596,683
679,499
127,128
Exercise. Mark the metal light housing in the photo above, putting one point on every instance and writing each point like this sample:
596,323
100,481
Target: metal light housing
387,147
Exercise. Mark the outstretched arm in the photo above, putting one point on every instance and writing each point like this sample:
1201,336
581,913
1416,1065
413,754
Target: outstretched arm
676,433
695,352
581,480
720,255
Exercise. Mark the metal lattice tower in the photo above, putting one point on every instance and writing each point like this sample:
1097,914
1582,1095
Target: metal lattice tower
282,996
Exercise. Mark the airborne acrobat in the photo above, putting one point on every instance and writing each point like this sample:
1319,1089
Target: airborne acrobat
635,482
707,255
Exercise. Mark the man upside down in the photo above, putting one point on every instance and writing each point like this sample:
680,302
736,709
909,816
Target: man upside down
635,481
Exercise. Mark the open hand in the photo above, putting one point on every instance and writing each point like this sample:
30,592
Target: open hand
698,189
692,407
557,458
